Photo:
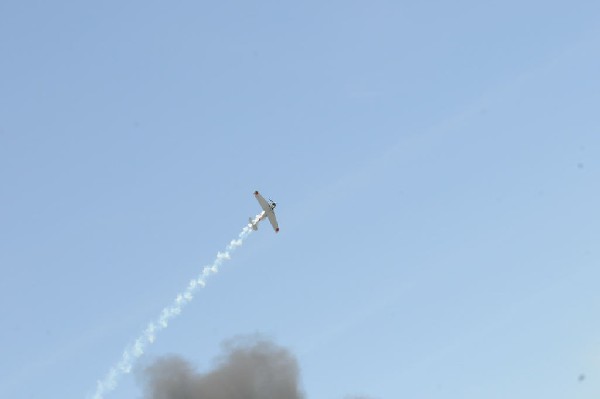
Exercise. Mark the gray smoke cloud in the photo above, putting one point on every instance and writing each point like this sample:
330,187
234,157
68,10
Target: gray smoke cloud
250,368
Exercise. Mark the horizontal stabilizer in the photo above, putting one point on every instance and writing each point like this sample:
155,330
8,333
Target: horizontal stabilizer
252,224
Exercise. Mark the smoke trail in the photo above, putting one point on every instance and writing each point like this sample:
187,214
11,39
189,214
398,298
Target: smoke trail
148,336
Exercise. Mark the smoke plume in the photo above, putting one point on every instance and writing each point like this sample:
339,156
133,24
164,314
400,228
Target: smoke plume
249,369
148,336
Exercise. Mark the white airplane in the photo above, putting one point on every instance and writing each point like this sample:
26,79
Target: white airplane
268,212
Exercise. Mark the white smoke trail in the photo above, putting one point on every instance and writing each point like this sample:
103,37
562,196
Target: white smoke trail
148,336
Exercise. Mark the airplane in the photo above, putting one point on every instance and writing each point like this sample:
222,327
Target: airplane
268,212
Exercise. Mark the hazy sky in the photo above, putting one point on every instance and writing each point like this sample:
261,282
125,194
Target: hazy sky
436,167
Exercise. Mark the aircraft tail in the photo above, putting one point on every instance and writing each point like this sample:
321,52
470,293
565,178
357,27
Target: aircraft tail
252,224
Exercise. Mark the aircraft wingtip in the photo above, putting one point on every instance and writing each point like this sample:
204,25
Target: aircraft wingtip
277,230
256,193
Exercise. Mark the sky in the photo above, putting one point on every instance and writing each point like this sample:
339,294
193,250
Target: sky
435,166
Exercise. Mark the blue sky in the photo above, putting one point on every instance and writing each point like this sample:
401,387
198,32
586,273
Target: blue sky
435,165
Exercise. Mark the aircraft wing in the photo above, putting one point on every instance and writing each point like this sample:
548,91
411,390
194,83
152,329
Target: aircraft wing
273,220
263,203
269,212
